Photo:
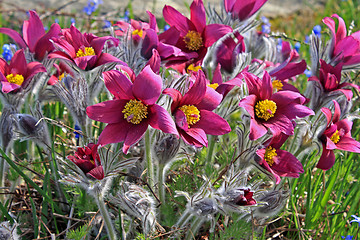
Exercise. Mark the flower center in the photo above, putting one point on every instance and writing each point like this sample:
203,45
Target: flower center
335,138
138,32
18,79
61,76
135,111
265,109
193,68
192,114
193,40
88,51
270,153
213,86
277,85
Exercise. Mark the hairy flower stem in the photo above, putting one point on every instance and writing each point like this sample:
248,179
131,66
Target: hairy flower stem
209,157
105,214
150,166
197,223
161,182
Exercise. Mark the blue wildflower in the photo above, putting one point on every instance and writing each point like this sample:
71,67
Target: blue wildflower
297,46
91,7
8,51
307,72
348,237
107,24
72,20
265,20
266,29
77,134
356,219
317,30
307,39
56,20
166,27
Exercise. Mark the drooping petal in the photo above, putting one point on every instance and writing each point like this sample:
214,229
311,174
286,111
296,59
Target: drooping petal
32,69
257,130
327,159
120,129
348,144
214,32
107,112
180,120
212,123
7,87
15,36
106,58
147,86
288,166
160,119
134,134
118,84
195,136
155,61
97,172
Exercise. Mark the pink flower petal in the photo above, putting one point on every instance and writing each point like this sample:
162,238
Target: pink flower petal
348,144
212,123
114,133
160,119
107,112
327,159
44,45
257,130
134,134
33,30
211,100
197,91
118,84
97,172
15,36
194,136
175,95
214,32
147,86
174,18
198,17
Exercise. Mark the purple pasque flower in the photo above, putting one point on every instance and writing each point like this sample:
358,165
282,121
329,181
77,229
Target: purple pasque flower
193,112
241,9
330,79
279,163
18,73
269,110
83,50
222,87
34,36
133,108
229,50
344,49
337,135
192,35
88,160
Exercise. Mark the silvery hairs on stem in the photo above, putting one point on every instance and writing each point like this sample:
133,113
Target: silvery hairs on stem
137,202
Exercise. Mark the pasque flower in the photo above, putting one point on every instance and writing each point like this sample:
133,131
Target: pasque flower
191,35
133,108
18,73
34,36
83,50
279,163
344,49
270,110
241,9
88,160
337,135
193,112
330,79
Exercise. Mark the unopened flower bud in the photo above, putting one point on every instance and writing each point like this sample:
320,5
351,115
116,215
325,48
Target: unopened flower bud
167,148
274,202
206,206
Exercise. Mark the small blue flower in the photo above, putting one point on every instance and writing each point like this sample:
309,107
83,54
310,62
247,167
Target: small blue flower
317,30
307,72
91,7
56,20
297,46
356,219
77,134
266,29
265,20
166,27
8,50
307,39
72,20
348,237
107,24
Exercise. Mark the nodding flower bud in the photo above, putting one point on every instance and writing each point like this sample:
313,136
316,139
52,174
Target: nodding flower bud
240,197
274,202
205,207
27,124
136,201
167,148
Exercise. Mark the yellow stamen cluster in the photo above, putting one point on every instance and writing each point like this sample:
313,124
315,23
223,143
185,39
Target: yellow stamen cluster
135,111
17,79
213,86
138,32
270,153
88,51
192,114
193,68
277,85
193,40
335,138
61,76
265,109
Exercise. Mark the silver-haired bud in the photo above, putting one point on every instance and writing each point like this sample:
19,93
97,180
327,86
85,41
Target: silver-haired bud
167,148
205,207
274,201
137,202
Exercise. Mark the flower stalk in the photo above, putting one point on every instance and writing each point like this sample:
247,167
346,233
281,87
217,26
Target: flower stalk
148,158
105,214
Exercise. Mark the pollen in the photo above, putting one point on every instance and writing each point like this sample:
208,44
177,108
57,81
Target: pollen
192,114
335,138
61,76
193,40
277,85
193,68
270,153
265,109
138,32
88,51
213,86
135,111
17,79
